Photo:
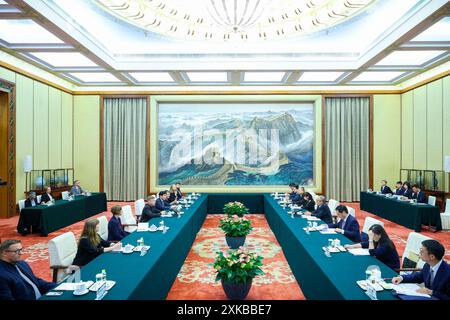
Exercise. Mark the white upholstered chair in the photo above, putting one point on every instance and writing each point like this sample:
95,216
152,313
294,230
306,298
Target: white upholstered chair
38,198
445,216
103,229
432,200
21,204
62,250
65,195
351,211
332,204
127,219
412,248
138,207
369,221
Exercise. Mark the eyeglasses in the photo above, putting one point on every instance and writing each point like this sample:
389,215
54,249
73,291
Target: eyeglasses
15,251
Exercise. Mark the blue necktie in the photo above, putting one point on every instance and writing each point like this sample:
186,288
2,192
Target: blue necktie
31,283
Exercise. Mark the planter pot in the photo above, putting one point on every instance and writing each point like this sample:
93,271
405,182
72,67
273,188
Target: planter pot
236,291
235,242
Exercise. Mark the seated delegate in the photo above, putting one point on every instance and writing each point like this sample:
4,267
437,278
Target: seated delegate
91,245
322,212
76,189
150,211
435,274
17,280
31,200
115,228
399,188
47,196
385,188
347,224
162,203
308,203
380,246
179,193
407,192
418,195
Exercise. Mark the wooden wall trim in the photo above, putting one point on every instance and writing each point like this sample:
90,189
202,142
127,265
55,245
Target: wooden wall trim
324,149
10,88
102,146
371,142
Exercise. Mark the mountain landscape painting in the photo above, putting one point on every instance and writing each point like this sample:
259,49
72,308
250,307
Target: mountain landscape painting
250,144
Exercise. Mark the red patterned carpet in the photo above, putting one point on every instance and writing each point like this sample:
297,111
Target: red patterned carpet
196,279
195,269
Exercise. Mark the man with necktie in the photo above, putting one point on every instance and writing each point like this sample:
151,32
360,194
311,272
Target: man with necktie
418,194
347,225
435,274
17,281
385,188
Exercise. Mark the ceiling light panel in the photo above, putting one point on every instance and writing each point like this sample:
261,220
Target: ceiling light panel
409,58
25,31
375,76
319,76
94,76
207,76
152,76
64,59
440,31
263,76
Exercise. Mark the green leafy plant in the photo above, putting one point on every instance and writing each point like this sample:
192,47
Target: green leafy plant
235,208
235,226
237,266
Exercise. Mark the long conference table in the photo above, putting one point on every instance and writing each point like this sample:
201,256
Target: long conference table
151,276
404,213
62,214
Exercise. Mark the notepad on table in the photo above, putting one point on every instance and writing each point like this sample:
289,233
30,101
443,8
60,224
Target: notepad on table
359,252
409,289
71,286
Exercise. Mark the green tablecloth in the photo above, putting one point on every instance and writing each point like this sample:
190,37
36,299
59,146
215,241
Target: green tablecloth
320,277
149,277
409,215
253,201
63,213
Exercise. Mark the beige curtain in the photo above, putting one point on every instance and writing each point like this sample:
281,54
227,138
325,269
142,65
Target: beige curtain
125,148
347,147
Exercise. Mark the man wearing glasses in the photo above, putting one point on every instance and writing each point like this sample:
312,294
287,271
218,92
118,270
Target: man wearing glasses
435,274
17,281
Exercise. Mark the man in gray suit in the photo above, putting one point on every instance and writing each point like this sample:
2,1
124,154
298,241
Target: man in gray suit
76,190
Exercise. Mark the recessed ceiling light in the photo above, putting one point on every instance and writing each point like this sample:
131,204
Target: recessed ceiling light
377,76
263,76
152,76
64,59
409,58
437,32
25,31
207,76
94,76
324,76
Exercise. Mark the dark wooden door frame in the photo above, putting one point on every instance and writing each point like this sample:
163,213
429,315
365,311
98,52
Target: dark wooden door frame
324,181
10,89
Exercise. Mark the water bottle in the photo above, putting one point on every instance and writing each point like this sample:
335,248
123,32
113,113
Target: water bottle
104,274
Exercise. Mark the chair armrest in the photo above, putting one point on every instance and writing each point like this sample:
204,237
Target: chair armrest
129,225
58,267
408,269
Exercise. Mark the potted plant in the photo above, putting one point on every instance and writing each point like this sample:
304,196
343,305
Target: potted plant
236,229
236,270
235,208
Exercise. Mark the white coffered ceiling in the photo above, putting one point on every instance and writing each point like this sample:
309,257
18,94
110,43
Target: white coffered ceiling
98,43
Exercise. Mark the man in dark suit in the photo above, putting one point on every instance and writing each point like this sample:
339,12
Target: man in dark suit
17,281
47,196
399,188
31,200
435,274
385,188
347,224
322,212
418,194
150,211
162,203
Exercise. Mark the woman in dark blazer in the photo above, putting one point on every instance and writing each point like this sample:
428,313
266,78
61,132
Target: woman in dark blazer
173,194
407,192
308,203
47,196
380,246
115,228
91,245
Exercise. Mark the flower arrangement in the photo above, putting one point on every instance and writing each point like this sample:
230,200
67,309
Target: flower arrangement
237,266
235,226
235,208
